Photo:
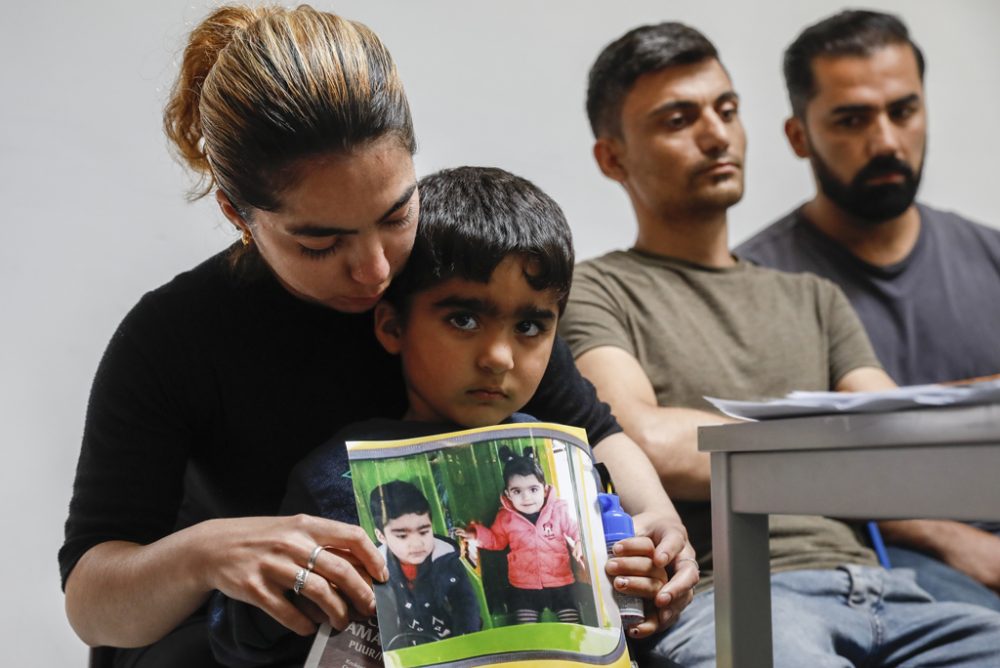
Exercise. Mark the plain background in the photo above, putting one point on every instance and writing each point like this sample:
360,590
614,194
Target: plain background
93,209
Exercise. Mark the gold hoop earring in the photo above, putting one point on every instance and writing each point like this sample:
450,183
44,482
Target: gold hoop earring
245,237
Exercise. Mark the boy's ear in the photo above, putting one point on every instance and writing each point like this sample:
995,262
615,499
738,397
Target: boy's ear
388,327
380,536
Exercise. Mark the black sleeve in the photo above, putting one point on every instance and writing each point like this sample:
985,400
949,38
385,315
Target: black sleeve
136,442
564,396
244,636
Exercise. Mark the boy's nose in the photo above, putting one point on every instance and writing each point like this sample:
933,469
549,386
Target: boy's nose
497,356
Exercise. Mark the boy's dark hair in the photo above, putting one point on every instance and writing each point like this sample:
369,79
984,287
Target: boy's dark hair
395,499
524,464
849,33
471,218
642,50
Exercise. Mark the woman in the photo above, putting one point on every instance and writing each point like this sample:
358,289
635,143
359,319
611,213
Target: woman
218,382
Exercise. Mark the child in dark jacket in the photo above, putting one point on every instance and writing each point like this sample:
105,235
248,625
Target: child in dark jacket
473,318
541,534
428,589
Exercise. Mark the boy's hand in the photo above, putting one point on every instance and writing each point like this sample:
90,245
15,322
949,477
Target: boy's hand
639,566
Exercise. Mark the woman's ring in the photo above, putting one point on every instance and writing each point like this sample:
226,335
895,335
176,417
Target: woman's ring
300,580
694,561
311,564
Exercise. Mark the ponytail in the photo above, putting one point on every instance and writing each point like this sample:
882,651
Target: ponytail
260,90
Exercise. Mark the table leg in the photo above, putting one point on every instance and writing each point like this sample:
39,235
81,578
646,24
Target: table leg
742,578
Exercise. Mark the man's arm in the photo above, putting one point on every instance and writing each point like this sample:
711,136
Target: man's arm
668,436
661,540
963,547
865,379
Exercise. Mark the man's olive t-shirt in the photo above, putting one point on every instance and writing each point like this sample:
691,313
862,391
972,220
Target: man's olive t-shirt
741,332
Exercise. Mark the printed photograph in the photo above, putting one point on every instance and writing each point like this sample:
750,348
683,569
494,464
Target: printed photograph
491,538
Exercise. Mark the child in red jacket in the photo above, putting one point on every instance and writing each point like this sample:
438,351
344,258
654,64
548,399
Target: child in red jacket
541,534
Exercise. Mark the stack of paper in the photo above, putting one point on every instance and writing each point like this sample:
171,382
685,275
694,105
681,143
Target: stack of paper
822,403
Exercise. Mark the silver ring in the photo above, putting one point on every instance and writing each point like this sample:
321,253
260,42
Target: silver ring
300,580
313,556
694,561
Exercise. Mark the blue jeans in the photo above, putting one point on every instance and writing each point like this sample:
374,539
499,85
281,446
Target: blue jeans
845,617
942,581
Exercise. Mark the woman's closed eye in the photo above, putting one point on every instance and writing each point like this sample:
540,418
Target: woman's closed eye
317,253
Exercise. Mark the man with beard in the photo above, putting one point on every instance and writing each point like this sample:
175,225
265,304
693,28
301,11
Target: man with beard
676,317
925,283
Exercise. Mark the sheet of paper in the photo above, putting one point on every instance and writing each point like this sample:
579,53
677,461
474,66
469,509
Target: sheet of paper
797,404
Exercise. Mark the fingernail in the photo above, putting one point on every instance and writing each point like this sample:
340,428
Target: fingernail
618,548
371,607
664,600
621,583
385,574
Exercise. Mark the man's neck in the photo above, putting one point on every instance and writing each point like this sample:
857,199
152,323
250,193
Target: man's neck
698,238
879,244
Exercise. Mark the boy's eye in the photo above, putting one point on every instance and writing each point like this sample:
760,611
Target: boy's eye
464,321
529,328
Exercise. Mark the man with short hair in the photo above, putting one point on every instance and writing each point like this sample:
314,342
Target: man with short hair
677,317
925,283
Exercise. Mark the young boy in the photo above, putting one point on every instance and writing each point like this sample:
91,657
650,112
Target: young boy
473,319
428,586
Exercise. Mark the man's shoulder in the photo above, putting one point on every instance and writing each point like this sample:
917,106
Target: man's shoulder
610,263
792,281
951,227
777,244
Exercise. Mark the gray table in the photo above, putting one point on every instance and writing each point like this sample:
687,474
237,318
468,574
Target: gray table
926,463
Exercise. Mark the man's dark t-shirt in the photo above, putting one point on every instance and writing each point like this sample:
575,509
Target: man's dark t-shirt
933,317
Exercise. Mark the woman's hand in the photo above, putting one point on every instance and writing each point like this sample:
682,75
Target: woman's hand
639,567
257,559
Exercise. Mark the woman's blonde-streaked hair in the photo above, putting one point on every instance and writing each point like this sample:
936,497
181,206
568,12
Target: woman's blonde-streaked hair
263,88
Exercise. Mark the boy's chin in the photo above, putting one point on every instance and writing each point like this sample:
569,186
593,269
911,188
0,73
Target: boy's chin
410,562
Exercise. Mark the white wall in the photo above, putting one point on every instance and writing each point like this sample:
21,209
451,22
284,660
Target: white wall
93,212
